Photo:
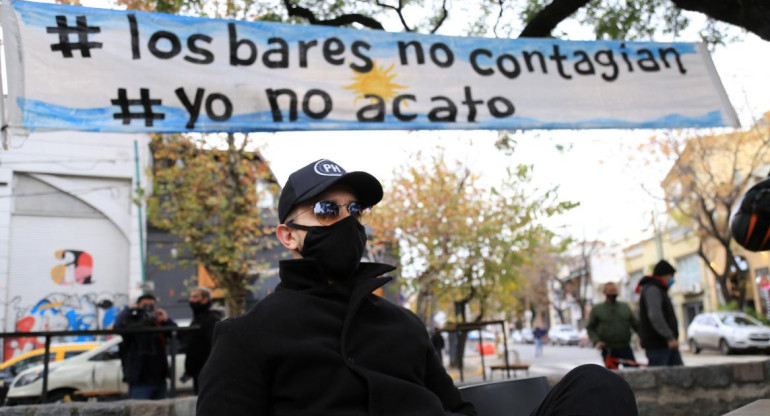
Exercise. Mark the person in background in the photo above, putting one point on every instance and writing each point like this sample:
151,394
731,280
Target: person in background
199,342
658,327
144,356
438,343
610,325
539,334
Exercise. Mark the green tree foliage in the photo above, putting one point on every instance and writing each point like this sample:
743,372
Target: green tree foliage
610,19
463,241
207,196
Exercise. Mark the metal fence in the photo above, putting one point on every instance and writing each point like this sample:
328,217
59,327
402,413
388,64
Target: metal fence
123,331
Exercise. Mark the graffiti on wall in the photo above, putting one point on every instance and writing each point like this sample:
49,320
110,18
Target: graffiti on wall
76,268
61,312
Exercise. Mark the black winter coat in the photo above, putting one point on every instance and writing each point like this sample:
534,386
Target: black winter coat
198,343
314,348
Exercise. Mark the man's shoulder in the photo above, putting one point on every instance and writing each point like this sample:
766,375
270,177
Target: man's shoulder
214,315
391,307
650,288
600,308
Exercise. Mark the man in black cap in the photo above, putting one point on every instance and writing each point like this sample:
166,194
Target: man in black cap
658,328
322,343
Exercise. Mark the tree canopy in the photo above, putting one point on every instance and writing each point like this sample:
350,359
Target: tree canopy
207,196
461,241
610,19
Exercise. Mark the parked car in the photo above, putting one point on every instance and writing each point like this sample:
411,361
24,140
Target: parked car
488,341
528,336
9,369
727,332
563,335
485,335
523,336
96,372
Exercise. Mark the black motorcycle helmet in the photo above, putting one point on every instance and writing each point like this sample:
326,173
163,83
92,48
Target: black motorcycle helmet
750,224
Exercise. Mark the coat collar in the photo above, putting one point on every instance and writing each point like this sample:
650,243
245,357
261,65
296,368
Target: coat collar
301,274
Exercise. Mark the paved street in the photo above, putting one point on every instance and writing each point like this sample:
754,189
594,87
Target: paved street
558,360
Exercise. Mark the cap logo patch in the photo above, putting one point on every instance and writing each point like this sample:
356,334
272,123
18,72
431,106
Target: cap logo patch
328,168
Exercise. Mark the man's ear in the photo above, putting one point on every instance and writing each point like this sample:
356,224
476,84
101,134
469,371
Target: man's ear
287,237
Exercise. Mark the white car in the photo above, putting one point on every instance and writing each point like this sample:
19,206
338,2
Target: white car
93,373
727,332
563,335
527,335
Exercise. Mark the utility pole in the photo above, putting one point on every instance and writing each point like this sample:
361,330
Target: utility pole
658,237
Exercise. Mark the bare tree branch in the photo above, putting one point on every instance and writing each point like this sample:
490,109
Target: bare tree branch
499,16
546,20
343,20
444,14
399,10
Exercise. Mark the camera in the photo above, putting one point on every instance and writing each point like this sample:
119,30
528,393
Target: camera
140,317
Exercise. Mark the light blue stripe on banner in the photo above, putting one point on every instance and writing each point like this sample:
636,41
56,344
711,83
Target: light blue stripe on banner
37,113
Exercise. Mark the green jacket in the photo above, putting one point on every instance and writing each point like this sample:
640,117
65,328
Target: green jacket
611,323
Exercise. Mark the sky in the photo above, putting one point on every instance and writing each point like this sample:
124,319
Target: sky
595,171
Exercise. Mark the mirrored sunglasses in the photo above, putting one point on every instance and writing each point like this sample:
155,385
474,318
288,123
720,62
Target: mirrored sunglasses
328,212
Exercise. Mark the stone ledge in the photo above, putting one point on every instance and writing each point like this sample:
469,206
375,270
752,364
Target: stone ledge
169,407
749,372
704,391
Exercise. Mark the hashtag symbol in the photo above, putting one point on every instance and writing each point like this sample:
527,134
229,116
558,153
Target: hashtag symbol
144,100
81,29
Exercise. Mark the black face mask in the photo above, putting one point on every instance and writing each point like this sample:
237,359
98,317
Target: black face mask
198,306
337,248
612,298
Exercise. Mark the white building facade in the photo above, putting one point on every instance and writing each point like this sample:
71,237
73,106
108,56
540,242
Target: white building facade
69,231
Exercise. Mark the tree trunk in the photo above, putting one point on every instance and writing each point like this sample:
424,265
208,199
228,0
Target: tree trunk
423,303
235,301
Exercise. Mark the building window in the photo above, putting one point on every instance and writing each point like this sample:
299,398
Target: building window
688,273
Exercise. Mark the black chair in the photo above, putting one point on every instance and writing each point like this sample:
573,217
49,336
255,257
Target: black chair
507,398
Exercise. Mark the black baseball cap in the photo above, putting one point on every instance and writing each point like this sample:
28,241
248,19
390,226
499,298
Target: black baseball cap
315,178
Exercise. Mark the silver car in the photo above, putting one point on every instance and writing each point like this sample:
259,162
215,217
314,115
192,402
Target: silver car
727,332
563,335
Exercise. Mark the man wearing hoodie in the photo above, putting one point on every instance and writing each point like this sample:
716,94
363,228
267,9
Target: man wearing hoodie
658,328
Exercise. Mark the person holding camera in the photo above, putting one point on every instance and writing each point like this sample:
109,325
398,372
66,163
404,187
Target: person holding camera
143,356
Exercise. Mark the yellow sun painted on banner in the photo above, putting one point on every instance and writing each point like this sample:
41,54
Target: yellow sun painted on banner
378,81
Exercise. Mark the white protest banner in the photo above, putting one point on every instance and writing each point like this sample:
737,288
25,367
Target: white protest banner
80,68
